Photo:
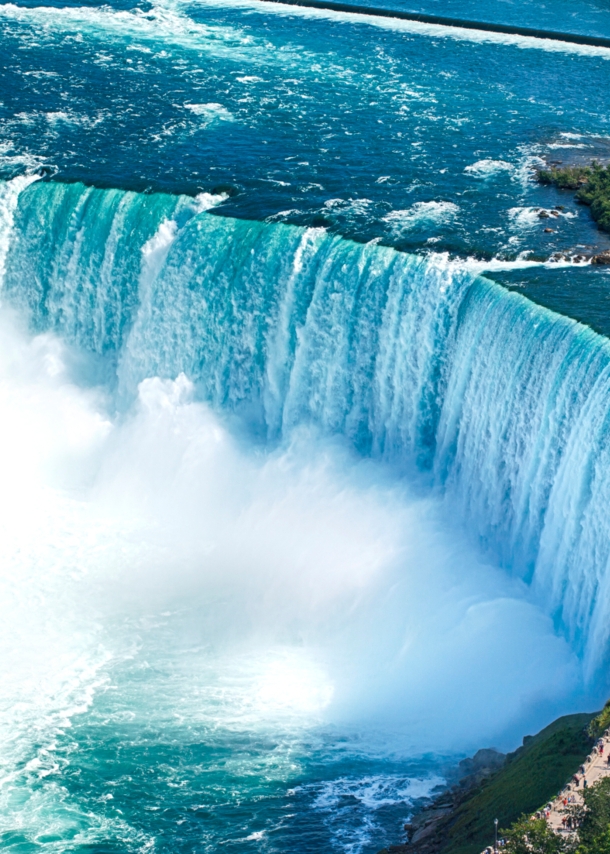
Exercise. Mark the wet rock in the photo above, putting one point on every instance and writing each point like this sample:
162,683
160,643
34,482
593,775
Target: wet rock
543,214
549,230
230,190
602,258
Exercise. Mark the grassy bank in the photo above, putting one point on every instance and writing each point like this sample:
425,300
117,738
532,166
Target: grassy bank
531,776
528,778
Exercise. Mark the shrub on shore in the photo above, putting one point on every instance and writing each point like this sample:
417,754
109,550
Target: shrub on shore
592,185
600,723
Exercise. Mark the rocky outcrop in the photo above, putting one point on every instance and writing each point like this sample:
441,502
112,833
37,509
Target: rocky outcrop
425,833
602,258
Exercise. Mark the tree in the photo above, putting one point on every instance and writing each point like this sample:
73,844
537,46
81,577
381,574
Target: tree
534,836
594,830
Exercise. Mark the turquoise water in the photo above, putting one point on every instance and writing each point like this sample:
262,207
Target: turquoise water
286,473
588,18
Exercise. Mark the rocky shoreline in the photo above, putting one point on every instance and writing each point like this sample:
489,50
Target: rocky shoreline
491,785
425,831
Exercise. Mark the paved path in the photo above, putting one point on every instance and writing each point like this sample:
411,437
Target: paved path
596,766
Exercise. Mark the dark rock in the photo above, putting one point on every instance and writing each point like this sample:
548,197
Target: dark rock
543,214
549,230
483,763
230,190
602,258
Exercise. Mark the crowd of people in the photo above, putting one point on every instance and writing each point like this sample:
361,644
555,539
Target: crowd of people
562,815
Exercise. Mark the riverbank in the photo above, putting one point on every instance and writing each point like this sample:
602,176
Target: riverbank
461,819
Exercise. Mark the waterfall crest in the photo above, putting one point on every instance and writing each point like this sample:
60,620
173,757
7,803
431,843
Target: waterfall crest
417,361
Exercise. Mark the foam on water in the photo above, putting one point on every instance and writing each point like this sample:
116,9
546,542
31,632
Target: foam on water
421,214
360,341
160,576
187,581
485,168
414,27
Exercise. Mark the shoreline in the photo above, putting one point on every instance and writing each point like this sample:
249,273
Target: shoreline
460,820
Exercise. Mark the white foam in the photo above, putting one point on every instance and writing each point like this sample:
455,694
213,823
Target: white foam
207,201
555,145
421,214
377,791
416,27
9,197
528,217
357,207
256,836
211,113
486,168
313,560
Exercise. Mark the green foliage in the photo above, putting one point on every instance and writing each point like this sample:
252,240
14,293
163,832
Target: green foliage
600,845
594,830
601,722
592,184
531,776
568,178
536,837
533,837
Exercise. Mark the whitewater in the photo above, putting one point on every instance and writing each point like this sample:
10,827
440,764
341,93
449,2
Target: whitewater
304,437
265,483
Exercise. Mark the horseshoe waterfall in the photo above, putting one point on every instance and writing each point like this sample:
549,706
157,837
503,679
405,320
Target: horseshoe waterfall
304,413
417,362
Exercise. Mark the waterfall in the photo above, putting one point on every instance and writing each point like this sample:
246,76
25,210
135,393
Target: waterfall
502,404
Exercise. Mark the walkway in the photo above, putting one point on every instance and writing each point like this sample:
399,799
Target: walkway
596,766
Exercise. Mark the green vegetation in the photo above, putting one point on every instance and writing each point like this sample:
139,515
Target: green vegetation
594,830
531,776
600,723
532,837
536,837
592,184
